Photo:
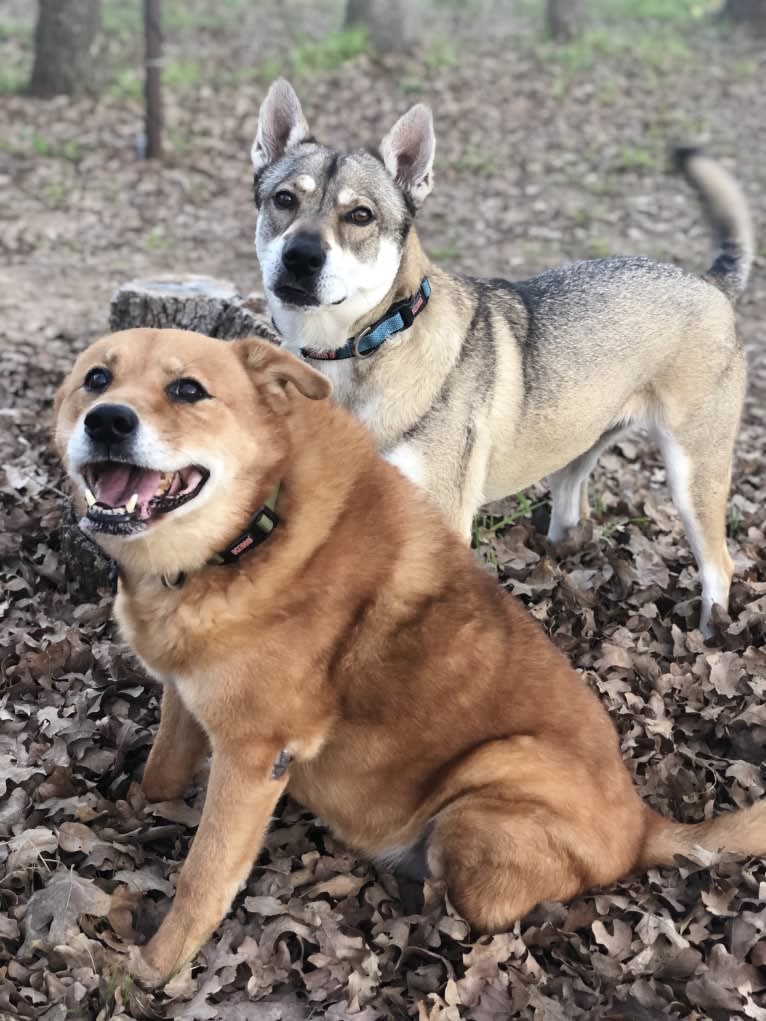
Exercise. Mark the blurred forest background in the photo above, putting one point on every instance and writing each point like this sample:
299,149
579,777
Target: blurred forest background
553,124
546,150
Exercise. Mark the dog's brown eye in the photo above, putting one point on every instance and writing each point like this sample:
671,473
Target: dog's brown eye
187,390
361,216
285,200
97,379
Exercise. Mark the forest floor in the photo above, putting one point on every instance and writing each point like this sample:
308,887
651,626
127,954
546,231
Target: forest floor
545,153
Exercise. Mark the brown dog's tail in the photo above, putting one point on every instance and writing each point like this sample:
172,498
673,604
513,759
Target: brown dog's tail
742,832
726,209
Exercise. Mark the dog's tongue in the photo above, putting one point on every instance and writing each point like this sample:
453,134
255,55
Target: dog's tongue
116,483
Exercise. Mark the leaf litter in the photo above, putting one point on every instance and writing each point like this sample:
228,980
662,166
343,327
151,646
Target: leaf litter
87,868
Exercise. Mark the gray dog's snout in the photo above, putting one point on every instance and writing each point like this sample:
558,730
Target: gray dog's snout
304,256
111,423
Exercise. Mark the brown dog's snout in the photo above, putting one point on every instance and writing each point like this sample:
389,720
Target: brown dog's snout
111,423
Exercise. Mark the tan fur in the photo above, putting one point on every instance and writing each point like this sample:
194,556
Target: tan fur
417,700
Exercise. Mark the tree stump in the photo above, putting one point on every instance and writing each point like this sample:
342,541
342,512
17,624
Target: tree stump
204,304
209,306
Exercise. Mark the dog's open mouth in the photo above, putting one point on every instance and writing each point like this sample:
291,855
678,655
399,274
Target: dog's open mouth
124,498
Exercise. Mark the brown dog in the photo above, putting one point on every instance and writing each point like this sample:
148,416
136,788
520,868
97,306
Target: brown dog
357,657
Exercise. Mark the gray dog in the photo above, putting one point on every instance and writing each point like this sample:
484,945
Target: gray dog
476,389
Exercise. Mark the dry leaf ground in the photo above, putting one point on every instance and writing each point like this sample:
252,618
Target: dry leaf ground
545,153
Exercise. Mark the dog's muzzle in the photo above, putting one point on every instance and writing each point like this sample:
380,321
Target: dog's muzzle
303,259
124,496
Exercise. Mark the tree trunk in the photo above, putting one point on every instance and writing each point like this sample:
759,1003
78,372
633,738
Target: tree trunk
565,19
153,79
196,303
746,12
389,24
65,33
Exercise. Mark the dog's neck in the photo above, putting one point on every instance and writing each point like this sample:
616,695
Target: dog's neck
329,327
413,266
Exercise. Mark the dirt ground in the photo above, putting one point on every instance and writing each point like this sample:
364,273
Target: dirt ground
545,153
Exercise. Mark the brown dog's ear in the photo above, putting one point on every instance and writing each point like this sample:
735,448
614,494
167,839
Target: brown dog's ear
274,368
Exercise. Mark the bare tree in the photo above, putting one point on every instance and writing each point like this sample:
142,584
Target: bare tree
388,23
65,35
153,78
748,12
565,19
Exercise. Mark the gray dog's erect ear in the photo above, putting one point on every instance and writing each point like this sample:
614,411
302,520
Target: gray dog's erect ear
280,124
408,152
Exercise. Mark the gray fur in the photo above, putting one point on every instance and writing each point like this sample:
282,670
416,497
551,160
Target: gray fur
498,383
729,217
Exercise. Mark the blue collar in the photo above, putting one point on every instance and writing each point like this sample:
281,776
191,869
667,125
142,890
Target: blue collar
400,316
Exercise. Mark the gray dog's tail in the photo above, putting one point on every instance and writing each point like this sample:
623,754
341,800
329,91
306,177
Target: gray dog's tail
726,209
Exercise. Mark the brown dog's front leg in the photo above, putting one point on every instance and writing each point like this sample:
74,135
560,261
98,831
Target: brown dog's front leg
177,750
240,799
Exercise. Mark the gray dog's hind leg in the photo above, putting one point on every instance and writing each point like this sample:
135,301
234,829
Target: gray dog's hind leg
698,457
569,486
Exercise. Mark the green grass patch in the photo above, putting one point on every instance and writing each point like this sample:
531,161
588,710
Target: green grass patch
599,249
184,74
441,53
309,58
330,53
745,69
41,145
46,147
127,83
123,19
653,31
54,195
635,158
445,253
476,160
733,521
411,85
616,524
157,241
11,80
490,523
675,12
14,30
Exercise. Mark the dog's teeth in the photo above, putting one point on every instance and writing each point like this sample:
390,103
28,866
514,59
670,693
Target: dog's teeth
89,498
130,506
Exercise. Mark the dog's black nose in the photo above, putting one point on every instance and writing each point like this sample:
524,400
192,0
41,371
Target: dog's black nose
303,256
111,423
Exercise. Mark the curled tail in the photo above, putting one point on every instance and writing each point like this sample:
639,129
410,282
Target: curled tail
726,209
742,832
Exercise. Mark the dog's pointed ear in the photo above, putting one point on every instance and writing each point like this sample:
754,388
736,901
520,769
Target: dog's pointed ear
273,368
408,152
281,124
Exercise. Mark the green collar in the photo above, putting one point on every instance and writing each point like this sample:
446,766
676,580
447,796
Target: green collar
261,525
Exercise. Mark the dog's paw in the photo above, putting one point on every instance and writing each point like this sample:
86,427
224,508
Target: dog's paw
144,973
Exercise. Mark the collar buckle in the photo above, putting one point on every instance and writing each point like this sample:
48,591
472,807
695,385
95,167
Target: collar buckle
366,352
